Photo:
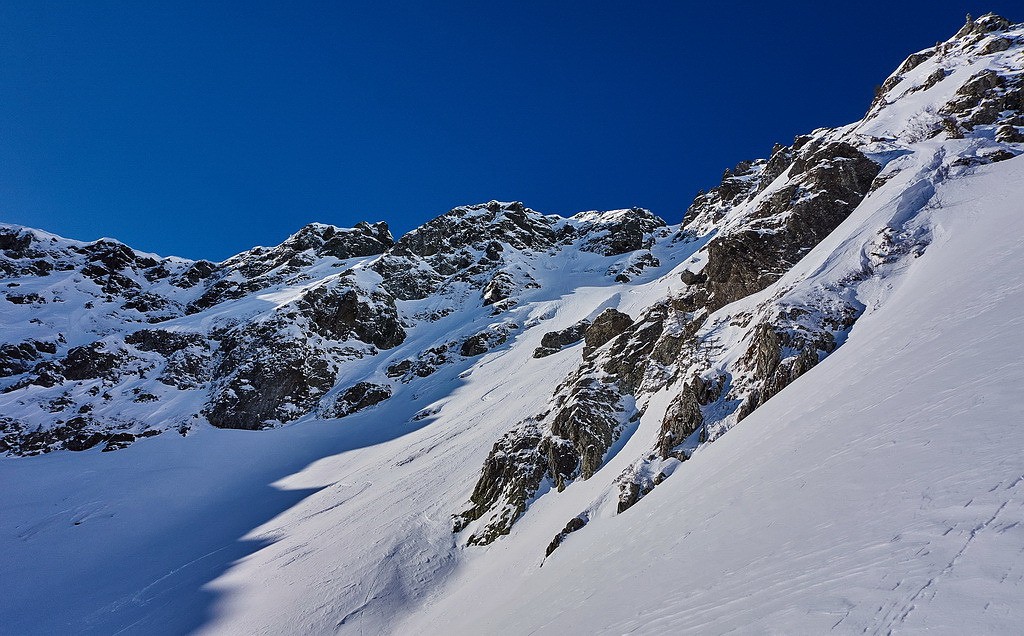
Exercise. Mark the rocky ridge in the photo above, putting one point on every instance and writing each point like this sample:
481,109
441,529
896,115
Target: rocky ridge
747,321
743,298
272,334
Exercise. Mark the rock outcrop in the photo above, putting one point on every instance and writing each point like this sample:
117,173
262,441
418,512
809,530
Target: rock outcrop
265,337
555,341
737,333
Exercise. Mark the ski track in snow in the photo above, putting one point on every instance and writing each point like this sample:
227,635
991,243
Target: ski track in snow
881,493
882,496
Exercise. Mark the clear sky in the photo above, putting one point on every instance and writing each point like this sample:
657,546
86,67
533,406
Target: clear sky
204,128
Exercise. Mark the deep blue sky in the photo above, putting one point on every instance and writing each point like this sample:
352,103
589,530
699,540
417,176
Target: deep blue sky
201,129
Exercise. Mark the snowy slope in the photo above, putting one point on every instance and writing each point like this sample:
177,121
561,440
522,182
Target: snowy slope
802,412
886,492
134,538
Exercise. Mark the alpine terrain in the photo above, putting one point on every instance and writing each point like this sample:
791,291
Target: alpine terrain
798,411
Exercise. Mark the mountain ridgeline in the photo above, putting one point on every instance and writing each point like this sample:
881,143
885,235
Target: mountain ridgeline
267,336
699,323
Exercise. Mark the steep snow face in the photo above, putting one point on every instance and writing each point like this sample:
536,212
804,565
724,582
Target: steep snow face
883,492
785,251
794,412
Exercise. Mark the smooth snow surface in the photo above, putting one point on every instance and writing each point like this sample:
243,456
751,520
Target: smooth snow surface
884,493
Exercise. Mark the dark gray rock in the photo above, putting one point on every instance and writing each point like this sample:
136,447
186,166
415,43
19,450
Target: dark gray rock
512,472
196,273
996,45
737,186
481,343
21,357
188,355
972,30
16,243
150,303
26,299
828,182
555,341
589,413
465,244
987,98
622,232
1010,134
164,342
479,226
265,376
340,312
609,324
881,92
771,370
588,421
575,524
683,416
262,267
90,362
632,491
358,397
363,239
634,266
76,434
425,364
692,278
499,288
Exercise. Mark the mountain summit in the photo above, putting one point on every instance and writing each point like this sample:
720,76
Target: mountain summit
796,410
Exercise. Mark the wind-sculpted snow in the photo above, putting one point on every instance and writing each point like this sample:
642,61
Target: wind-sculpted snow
795,411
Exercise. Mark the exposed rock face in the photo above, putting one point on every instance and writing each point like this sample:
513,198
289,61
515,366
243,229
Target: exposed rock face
974,30
164,342
609,324
340,312
721,353
613,233
364,239
588,422
571,441
480,343
242,373
988,98
91,361
555,341
261,267
683,416
427,362
19,358
512,472
259,340
187,354
274,371
985,98
76,434
462,246
360,396
197,272
827,182
576,523
739,185
266,376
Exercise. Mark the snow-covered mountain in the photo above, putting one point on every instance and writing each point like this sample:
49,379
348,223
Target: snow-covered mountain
514,422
